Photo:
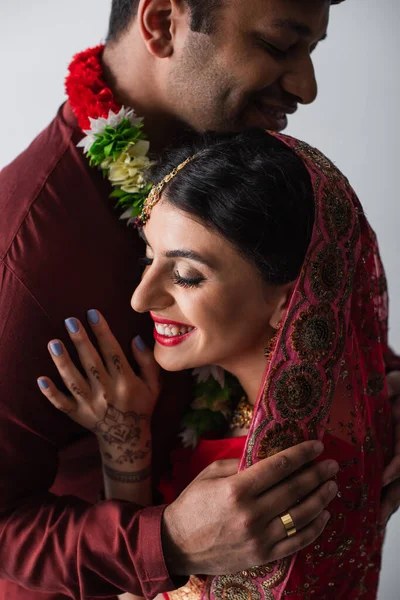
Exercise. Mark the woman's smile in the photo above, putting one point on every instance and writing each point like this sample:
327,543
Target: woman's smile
170,333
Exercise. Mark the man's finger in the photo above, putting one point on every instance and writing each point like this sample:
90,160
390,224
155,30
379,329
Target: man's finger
304,513
390,502
268,472
393,380
303,538
392,471
219,469
298,487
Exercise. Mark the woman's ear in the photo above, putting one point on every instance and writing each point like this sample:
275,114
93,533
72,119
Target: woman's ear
282,300
156,20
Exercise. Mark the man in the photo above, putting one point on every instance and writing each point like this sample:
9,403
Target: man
183,65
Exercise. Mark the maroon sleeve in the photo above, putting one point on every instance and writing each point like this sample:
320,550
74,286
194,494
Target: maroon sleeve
48,543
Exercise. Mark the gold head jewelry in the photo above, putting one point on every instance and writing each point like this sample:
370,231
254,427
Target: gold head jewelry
156,191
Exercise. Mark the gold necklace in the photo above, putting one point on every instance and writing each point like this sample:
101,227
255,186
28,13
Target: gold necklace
242,415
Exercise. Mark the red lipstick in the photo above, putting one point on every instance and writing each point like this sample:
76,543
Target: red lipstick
165,321
170,340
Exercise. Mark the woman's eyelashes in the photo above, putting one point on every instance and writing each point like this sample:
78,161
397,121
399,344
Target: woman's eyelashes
145,261
187,282
177,278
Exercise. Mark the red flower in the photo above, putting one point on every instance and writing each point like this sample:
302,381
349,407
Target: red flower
86,88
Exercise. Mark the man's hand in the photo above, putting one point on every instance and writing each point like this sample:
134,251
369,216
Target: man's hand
391,476
225,521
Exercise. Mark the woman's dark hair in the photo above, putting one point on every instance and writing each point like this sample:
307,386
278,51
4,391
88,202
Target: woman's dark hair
253,190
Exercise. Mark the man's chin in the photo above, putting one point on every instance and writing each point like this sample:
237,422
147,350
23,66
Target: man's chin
259,120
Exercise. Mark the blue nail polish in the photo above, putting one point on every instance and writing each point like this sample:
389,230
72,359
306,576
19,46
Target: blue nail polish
139,343
43,384
56,348
93,316
72,325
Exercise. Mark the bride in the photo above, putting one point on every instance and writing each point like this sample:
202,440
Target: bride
260,262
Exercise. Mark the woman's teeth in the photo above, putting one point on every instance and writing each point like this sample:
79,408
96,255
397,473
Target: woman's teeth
171,330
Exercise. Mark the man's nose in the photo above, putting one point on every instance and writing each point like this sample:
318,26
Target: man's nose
300,81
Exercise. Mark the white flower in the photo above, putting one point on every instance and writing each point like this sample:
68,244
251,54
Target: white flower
219,404
127,171
189,438
204,373
97,126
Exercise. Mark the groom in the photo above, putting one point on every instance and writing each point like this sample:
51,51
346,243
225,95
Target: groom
183,65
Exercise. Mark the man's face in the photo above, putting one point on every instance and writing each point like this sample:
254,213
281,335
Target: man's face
252,70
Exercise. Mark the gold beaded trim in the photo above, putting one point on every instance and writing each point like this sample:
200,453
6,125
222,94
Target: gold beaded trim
242,415
156,190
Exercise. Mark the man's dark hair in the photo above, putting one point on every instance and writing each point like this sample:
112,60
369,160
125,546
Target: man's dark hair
203,14
124,11
251,189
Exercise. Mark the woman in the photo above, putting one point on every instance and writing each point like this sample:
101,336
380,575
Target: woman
259,260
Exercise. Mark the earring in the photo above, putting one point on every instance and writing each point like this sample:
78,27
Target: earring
270,347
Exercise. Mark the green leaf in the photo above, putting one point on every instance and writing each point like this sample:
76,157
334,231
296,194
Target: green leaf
108,150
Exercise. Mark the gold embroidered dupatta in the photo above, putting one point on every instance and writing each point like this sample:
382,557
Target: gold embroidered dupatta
326,374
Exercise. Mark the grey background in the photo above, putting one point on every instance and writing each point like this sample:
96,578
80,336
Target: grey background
354,120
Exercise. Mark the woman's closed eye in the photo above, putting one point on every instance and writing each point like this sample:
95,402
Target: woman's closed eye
177,278
187,282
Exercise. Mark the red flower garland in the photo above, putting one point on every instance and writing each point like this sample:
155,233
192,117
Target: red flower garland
86,88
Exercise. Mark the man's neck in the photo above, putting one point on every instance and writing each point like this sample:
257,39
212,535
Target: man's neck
131,79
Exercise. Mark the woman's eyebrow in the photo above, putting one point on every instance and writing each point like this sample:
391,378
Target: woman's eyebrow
191,254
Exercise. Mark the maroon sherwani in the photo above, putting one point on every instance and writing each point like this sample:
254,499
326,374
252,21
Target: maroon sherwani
64,251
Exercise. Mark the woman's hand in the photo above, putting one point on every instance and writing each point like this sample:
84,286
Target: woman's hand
113,402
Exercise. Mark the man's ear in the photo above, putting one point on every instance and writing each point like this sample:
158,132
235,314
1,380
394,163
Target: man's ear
157,23
282,302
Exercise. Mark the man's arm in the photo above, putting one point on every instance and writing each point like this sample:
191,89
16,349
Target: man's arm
60,545
64,545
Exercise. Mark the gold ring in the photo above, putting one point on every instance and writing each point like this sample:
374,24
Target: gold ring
288,524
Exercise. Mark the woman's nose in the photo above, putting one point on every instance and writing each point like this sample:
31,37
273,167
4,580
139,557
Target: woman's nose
150,294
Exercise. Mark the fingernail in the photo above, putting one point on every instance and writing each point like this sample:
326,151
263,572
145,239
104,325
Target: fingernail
43,384
72,325
56,348
93,316
318,447
326,516
139,343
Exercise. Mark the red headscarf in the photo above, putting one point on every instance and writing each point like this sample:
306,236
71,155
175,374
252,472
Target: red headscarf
326,380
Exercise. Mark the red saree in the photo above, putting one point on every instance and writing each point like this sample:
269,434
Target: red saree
326,380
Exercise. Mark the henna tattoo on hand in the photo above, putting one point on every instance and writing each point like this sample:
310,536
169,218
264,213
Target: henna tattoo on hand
129,477
122,433
130,456
117,363
77,391
96,374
